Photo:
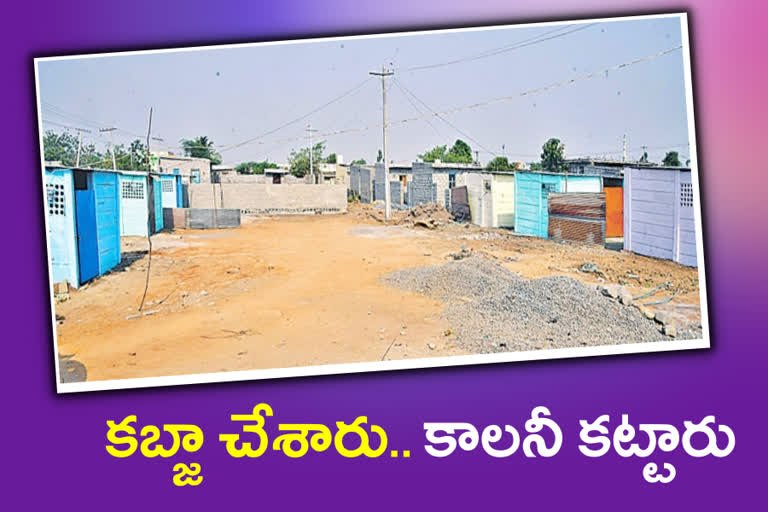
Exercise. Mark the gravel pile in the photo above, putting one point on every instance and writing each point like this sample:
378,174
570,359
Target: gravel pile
491,309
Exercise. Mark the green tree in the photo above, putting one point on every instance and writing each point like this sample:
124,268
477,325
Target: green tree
461,152
672,159
553,155
139,158
535,166
331,159
436,153
359,161
644,158
500,163
201,147
254,167
298,161
379,156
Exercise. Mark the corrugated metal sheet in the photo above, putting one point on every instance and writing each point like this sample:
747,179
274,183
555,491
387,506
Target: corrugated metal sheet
531,192
577,217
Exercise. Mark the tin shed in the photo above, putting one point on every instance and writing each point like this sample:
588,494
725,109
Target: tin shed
659,213
83,213
531,191
134,209
170,187
156,206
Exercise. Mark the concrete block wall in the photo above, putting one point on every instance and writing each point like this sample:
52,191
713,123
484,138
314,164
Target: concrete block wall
421,188
396,193
354,180
282,199
378,183
366,186
440,180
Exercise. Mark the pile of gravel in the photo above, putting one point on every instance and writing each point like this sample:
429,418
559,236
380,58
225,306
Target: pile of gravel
491,309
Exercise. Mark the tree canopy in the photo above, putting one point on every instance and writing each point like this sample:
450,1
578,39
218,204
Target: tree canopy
254,167
553,156
201,147
62,147
461,152
359,161
298,161
672,159
501,163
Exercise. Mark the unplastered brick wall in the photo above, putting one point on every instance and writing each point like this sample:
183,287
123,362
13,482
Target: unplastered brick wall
282,199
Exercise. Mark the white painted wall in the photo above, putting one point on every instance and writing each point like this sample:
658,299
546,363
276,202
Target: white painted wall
503,190
658,214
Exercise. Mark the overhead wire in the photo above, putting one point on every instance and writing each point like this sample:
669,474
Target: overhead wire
507,48
436,114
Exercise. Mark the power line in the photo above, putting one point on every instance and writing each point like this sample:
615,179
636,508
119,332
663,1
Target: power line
529,92
300,118
417,109
496,51
465,134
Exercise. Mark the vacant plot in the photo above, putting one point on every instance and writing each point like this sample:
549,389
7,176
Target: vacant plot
301,291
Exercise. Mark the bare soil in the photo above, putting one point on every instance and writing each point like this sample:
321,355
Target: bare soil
302,291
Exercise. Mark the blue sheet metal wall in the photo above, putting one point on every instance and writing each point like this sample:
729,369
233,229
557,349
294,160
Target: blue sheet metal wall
105,187
62,240
531,191
158,205
134,210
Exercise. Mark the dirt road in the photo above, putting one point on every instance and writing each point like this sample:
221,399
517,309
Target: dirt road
298,291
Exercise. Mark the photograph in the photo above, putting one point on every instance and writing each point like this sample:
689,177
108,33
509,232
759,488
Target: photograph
333,205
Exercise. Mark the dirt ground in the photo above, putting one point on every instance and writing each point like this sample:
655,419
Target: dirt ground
301,291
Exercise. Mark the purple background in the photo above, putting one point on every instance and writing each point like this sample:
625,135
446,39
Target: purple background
54,445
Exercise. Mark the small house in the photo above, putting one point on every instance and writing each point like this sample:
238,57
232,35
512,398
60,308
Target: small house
659,218
531,207
83,221
137,214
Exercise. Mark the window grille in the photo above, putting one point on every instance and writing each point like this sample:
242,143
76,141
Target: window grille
132,190
686,195
55,194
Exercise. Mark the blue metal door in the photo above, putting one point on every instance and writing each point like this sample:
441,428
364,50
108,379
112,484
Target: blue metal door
87,246
179,192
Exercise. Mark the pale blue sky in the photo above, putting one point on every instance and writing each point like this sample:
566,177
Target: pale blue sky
236,94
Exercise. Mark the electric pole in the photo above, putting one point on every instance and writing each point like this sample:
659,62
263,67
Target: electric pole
111,144
624,148
387,199
79,144
311,158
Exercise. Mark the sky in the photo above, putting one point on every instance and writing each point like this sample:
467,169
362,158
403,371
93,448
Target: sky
244,98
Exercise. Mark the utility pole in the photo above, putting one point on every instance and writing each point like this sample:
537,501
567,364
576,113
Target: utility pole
624,148
79,144
387,199
150,198
111,144
477,157
309,131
